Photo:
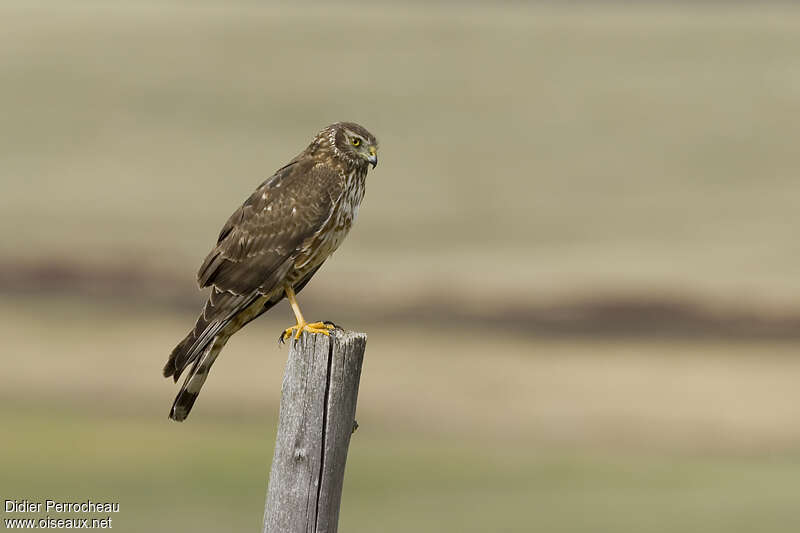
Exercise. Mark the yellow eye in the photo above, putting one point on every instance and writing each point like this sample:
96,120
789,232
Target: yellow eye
355,141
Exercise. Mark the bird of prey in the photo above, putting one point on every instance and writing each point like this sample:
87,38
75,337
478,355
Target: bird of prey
271,247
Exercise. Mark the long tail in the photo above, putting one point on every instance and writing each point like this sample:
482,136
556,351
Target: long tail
218,312
194,381
222,316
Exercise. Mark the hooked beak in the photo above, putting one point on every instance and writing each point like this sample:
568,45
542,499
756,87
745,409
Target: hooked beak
373,157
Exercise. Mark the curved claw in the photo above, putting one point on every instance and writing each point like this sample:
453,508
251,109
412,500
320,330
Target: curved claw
314,327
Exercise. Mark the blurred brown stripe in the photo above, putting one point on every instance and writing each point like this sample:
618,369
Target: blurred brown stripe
610,315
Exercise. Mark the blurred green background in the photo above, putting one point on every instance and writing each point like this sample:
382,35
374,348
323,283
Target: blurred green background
577,261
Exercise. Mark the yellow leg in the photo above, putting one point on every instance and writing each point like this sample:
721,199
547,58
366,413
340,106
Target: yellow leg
302,325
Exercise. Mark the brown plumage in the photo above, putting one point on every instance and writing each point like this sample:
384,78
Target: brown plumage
272,245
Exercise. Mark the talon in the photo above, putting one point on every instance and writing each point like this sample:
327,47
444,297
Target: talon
332,325
314,327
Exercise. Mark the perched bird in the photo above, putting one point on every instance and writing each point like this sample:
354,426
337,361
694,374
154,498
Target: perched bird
271,247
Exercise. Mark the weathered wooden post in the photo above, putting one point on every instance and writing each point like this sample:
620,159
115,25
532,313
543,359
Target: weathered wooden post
317,417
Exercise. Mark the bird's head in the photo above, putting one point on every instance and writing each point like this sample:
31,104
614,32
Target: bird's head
353,143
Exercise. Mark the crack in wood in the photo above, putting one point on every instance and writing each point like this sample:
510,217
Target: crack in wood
326,403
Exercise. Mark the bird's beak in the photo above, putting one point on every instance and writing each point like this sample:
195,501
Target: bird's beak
373,156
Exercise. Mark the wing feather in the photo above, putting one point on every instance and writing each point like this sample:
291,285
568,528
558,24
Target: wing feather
260,241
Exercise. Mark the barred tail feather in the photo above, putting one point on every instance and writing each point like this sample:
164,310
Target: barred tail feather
218,312
223,315
194,381
171,369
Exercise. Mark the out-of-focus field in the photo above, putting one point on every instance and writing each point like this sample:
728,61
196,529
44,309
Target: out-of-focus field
529,154
525,151
460,431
